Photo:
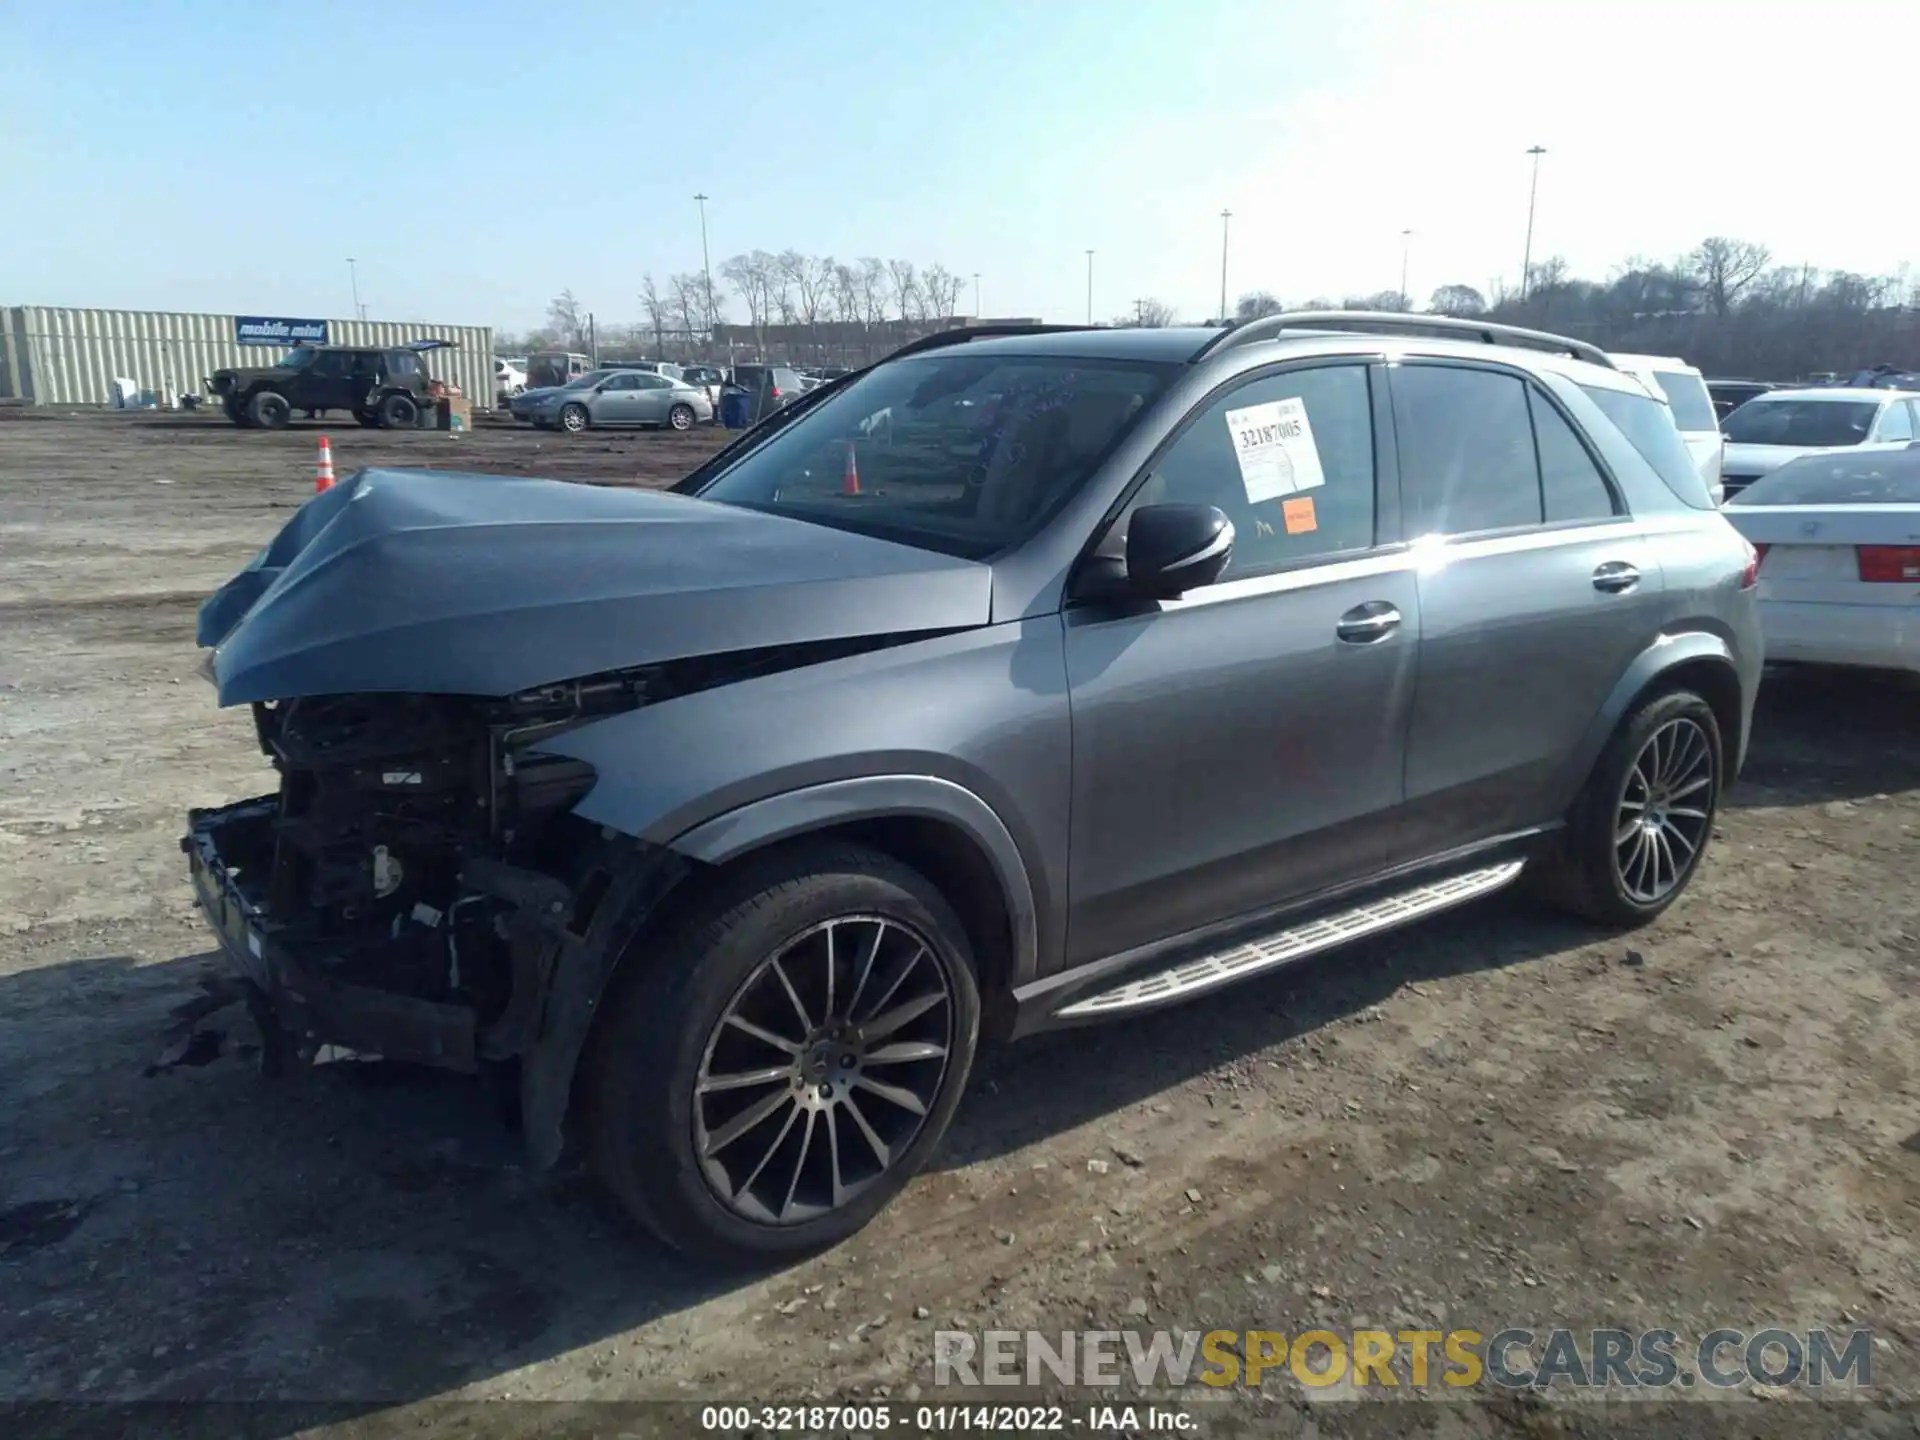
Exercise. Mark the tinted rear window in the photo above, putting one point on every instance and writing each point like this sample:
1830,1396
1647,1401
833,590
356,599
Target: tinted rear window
1649,427
1883,478
1692,406
1801,422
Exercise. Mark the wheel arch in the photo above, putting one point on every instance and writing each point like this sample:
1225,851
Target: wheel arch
1696,660
939,828
936,826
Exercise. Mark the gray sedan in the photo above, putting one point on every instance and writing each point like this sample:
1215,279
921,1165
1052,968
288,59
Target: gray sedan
624,397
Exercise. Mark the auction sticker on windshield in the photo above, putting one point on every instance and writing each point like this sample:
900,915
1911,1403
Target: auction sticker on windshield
1274,445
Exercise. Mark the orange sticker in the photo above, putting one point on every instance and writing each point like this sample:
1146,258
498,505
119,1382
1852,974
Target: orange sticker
1299,515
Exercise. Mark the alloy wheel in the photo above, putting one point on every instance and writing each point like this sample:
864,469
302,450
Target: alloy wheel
1665,808
574,419
822,1069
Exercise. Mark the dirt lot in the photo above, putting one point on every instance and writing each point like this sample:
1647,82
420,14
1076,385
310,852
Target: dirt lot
1496,1119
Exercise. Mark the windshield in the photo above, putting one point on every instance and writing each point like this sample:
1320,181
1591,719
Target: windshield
1890,477
1648,426
1801,422
297,358
960,453
1692,406
586,381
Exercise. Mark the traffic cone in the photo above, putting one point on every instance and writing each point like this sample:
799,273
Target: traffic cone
323,474
850,483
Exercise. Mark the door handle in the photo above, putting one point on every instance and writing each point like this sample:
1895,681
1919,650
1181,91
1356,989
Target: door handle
1615,577
1368,623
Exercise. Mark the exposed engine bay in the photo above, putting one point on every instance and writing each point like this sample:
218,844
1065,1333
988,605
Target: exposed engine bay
409,887
415,847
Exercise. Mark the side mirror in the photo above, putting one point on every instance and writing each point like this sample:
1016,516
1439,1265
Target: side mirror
1175,548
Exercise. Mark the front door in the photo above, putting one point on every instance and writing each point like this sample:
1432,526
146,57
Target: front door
1241,746
1537,590
618,399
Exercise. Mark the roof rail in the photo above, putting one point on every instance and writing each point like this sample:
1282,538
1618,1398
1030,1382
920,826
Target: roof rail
960,334
1271,327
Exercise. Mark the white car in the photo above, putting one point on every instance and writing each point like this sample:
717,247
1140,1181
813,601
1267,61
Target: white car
508,380
1839,543
1782,425
1684,389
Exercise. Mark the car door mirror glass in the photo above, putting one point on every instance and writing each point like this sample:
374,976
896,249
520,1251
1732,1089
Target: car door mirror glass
1175,548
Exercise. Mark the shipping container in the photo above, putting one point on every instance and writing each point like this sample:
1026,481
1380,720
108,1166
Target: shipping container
72,357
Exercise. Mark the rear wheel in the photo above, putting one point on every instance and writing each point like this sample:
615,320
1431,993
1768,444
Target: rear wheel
681,417
1640,827
269,410
574,419
788,1058
398,412
366,417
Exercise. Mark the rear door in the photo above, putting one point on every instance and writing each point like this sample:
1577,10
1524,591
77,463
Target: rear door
652,398
1537,589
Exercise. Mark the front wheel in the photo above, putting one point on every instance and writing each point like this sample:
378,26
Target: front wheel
681,417
573,419
1637,833
778,1069
269,410
398,412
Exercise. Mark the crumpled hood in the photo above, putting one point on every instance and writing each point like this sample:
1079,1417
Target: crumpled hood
435,582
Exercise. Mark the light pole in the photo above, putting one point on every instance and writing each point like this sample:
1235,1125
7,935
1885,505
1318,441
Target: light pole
1533,190
978,314
1226,217
1089,287
354,276
706,264
1406,242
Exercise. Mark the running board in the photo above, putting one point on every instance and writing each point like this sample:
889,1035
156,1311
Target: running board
1195,977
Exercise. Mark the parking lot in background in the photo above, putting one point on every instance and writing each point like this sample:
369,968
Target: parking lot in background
1496,1118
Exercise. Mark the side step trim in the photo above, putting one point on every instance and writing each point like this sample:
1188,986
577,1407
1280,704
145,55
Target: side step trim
1195,977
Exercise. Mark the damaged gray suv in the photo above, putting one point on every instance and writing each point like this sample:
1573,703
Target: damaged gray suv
1030,677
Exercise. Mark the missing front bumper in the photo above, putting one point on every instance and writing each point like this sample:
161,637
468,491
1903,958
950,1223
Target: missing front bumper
311,1008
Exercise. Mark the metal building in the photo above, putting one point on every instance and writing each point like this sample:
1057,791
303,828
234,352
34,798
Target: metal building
72,357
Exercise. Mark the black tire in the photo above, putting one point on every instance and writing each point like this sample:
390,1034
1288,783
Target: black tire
574,419
369,418
398,412
269,410
681,417
230,407
665,1021
1584,871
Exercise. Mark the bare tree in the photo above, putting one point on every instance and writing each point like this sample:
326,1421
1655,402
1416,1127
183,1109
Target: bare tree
939,292
655,305
687,305
905,281
810,283
1725,267
1147,315
1384,300
1459,300
874,280
751,277
1254,304
568,320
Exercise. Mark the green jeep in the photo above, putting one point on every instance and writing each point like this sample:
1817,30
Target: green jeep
379,385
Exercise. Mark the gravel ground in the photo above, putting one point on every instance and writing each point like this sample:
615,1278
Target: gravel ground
1496,1119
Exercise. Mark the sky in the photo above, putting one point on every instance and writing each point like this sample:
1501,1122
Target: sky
477,158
